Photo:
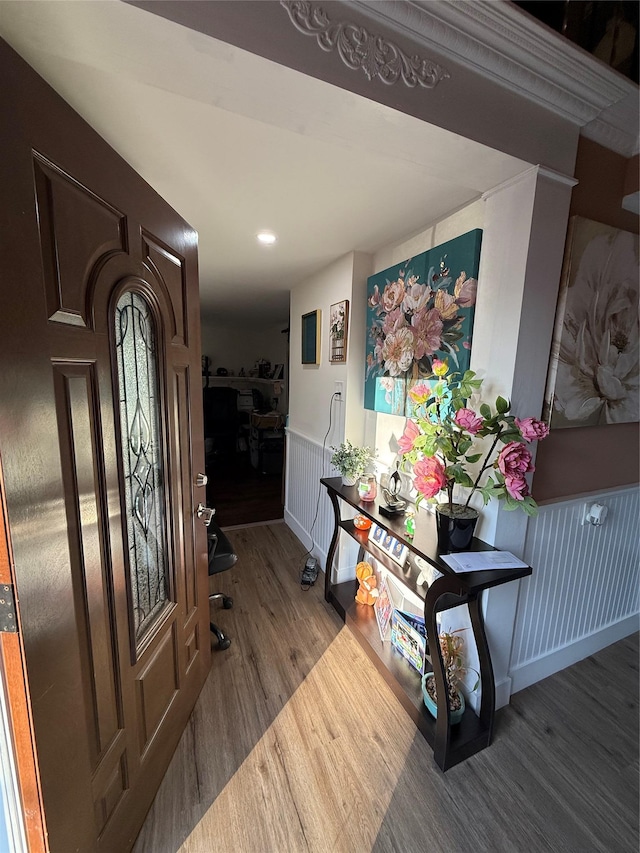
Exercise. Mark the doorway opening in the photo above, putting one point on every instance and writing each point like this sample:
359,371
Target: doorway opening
244,426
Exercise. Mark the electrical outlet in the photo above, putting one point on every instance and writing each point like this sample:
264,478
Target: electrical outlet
338,389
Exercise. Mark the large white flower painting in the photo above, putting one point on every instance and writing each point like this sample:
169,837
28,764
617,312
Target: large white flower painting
593,376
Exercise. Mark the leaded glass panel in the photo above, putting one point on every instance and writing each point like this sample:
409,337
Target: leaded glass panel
139,396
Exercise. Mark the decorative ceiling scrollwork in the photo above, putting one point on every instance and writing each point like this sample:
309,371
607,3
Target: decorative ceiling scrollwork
360,49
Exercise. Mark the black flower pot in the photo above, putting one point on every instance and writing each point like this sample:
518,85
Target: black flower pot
456,527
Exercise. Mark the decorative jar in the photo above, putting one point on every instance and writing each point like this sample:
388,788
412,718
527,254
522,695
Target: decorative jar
367,487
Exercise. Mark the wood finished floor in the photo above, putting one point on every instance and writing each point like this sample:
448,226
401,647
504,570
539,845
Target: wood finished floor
297,745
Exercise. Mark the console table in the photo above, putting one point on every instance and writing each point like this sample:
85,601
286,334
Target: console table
451,744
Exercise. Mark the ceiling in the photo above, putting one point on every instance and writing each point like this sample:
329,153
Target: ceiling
236,144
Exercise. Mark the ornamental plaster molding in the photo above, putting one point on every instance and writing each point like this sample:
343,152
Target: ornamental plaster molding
500,42
359,49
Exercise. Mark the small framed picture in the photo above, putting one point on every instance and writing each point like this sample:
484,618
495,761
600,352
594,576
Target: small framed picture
278,371
389,544
399,553
338,328
383,607
311,337
376,534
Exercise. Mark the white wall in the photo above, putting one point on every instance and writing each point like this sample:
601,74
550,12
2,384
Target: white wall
316,421
312,386
234,346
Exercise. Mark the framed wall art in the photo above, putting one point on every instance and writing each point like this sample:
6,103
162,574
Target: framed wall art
593,369
338,328
311,337
417,311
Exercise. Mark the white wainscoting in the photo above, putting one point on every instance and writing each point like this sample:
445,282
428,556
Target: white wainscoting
307,462
584,593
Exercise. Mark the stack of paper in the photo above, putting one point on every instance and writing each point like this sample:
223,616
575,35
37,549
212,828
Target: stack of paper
477,561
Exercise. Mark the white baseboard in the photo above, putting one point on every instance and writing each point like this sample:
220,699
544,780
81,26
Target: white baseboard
299,531
533,671
504,689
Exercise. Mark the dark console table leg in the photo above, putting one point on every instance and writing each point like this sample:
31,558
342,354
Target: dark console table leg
488,688
332,547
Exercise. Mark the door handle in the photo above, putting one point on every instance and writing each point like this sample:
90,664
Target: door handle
202,480
205,513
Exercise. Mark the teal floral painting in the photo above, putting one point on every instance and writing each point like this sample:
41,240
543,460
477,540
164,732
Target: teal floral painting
417,311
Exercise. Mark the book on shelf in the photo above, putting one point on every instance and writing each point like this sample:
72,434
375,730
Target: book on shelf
409,638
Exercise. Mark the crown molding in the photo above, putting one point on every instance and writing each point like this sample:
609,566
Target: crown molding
502,43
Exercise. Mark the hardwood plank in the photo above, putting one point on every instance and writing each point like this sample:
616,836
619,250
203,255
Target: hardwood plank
297,744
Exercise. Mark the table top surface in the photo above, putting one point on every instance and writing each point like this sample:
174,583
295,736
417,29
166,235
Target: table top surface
424,543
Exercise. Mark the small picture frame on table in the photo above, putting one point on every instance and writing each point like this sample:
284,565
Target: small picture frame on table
383,608
376,534
391,546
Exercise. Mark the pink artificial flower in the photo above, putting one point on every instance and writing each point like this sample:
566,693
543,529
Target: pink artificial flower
429,476
420,393
515,460
517,487
406,440
468,420
532,429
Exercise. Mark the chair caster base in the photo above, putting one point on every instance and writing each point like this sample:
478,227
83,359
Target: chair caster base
223,641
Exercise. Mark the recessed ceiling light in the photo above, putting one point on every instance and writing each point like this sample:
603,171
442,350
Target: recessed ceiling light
267,238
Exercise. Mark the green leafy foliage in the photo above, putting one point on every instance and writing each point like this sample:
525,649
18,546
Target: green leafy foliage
448,431
350,460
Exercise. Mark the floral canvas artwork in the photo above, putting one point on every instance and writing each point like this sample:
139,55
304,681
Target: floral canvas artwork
419,311
593,372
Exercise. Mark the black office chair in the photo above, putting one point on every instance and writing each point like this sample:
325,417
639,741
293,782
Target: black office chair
221,558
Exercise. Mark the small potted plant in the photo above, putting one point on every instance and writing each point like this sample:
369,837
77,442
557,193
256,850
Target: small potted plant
451,645
351,461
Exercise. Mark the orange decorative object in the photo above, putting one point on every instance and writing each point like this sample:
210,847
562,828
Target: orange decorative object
362,522
367,592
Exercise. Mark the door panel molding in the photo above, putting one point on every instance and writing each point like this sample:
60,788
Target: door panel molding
156,686
168,268
78,232
83,472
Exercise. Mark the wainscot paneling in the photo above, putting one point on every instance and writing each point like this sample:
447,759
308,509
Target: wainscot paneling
307,505
584,593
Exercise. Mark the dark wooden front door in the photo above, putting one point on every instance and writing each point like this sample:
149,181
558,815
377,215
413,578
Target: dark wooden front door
100,443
